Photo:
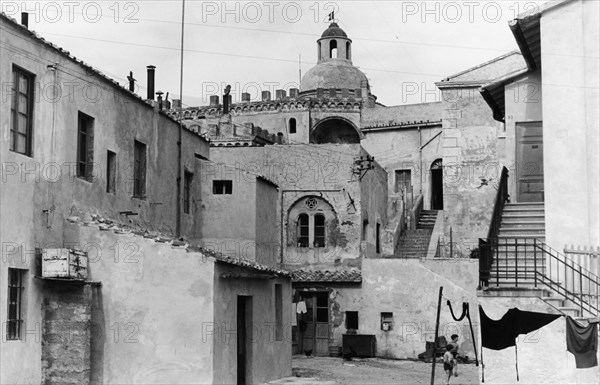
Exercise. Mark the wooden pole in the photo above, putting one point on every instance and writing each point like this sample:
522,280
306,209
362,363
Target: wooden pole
437,328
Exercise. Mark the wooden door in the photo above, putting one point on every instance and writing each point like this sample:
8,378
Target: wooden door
437,186
530,162
316,335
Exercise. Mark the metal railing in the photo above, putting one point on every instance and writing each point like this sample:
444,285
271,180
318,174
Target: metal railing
485,247
529,263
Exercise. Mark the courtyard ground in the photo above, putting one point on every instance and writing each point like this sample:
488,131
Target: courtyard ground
334,370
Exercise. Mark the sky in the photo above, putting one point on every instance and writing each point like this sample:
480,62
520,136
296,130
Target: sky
403,47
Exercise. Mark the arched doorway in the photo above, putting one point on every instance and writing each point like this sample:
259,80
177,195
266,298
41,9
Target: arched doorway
437,185
334,130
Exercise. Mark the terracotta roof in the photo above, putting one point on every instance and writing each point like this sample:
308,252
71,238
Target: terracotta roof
351,275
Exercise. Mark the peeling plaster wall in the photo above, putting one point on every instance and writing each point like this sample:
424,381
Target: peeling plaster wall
151,313
470,147
388,286
570,38
374,203
542,354
267,238
303,170
270,358
47,181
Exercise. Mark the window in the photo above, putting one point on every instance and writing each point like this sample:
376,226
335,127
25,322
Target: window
278,313
111,172
319,230
187,190
303,230
352,320
21,128
322,307
292,125
403,182
85,146
377,243
15,294
222,187
319,53
139,170
348,50
333,49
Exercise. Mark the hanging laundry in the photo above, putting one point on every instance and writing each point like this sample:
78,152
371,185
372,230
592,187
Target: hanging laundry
501,334
301,308
582,342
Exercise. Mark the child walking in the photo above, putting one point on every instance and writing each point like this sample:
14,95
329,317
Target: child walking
448,362
454,352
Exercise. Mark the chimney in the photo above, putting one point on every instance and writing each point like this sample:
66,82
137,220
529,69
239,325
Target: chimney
294,93
176,103
25,19
280,138
245,96
332,92
214,100
320,92
226,103
131,81
150,94
167,103
159,99
280,94
266,96
358,93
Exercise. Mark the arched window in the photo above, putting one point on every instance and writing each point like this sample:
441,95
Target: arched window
319,230
292,125
303,230
348,50
333,49
319,53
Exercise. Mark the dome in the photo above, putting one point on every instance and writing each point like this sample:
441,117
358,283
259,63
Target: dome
334,30
333,74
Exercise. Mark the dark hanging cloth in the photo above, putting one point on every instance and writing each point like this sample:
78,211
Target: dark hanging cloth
501,334
582,342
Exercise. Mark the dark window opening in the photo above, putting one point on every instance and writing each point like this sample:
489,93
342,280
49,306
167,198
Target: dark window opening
348,50
111,172
333,49
387,321
292,125
322,307
303,230
365,226
319,55
319,230
85,146
187,190
21,128
278,313
15,293
377,243
352,320
139,170
222,187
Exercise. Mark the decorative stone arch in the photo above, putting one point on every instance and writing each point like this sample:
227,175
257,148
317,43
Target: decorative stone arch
335,129
311,223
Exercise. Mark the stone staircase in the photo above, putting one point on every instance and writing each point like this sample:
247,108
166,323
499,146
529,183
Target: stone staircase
414,243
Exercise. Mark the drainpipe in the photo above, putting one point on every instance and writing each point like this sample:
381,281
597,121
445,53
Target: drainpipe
420,162
281,216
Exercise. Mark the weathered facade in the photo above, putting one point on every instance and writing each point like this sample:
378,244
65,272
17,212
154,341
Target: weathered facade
89,165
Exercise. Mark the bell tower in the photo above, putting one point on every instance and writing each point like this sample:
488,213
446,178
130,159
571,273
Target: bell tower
334,45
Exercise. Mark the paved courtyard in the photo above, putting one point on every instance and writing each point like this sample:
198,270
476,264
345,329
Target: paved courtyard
332,370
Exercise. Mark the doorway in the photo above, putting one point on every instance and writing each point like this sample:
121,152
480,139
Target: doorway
437,185
244,340
315,336
530,162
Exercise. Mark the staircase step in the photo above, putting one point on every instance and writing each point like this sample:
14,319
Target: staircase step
525,225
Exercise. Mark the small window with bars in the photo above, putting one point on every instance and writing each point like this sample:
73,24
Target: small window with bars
14,320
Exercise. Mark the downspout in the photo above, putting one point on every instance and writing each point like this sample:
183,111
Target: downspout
420,162
180,136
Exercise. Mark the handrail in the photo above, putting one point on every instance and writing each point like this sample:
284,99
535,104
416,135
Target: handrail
486,248
545,246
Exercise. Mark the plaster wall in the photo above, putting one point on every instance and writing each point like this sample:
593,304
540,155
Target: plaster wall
374,203
523,103
152,312
570,74
385,115
386,287
472,169
542,354
305,170
42,189
398,149
270,358
267,238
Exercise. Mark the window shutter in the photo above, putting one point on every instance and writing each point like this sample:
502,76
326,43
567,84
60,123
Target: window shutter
89,162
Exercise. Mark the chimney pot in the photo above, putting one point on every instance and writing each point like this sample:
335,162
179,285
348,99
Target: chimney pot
266,96
151,73
214,100
294,92
245,96
25,19
280,94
